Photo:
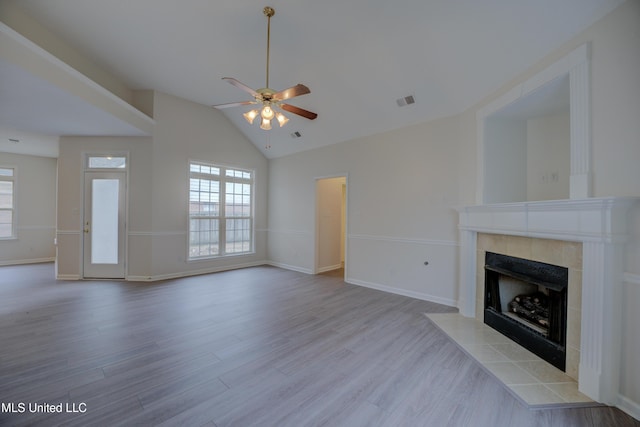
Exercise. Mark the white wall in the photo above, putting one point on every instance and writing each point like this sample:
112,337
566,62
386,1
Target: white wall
35,189
548,157
527,159
402,189
505,160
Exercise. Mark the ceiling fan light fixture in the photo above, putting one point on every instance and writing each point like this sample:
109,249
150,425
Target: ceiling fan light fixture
250,116
282,119
267,112
265,124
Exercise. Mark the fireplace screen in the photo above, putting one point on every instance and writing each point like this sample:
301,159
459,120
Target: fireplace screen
527,301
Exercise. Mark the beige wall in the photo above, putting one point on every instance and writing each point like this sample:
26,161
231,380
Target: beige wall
35,188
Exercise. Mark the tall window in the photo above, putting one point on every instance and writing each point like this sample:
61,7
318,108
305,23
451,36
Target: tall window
7,202
220,211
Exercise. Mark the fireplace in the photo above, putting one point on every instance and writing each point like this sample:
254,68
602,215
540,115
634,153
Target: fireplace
527,301
596,231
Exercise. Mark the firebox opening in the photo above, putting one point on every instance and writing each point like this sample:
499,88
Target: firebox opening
527,301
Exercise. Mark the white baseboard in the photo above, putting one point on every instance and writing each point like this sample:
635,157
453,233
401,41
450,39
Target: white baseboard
629,406
68,277
403,292
131,278
194,272
329,268
290,267
27,261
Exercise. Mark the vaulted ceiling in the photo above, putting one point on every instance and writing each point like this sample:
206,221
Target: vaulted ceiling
357,57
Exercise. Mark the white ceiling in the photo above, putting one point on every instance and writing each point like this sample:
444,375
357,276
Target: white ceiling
356,56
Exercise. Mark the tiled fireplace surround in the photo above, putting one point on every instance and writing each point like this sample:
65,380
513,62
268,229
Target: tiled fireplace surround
587,236
556,252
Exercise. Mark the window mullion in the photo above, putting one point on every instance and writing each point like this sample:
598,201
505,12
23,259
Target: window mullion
222,224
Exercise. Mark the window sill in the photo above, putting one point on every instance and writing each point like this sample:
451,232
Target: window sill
220,257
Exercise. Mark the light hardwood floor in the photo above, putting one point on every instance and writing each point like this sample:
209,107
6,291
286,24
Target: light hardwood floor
260,346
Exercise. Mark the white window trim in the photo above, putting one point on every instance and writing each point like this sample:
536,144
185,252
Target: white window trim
14,202
222,216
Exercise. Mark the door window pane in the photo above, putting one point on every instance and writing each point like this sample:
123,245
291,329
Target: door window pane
104,221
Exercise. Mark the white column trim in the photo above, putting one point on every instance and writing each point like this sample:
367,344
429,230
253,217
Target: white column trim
580,125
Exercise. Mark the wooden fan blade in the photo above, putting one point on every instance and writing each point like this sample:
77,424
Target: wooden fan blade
299,111
242,86
234,104
291,92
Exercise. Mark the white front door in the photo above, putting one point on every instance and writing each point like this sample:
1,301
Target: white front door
104,224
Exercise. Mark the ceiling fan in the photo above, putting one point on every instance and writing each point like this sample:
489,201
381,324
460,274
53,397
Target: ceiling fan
268,97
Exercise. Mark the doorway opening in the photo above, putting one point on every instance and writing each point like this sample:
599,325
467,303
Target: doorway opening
331,224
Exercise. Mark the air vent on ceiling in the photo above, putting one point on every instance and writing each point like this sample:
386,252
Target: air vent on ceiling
407,100
296,134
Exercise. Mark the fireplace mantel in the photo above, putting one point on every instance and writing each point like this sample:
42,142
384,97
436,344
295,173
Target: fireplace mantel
601,225
597,219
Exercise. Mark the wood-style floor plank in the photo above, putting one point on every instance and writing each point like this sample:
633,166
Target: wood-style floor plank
254,347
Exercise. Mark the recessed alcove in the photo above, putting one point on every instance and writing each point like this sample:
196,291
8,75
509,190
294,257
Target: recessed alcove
527,147
534,142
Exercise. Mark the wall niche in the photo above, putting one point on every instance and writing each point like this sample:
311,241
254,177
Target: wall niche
535,142
527,147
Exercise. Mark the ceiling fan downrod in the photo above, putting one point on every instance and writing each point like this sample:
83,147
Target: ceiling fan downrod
268,12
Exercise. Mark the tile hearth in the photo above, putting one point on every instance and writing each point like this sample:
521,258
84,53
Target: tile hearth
532,380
